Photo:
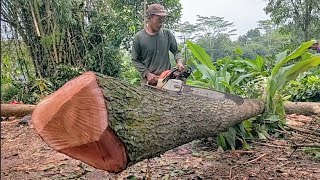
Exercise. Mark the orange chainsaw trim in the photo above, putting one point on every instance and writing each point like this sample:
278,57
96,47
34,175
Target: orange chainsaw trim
164,74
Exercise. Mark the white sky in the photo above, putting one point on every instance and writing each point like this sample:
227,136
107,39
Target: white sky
244,13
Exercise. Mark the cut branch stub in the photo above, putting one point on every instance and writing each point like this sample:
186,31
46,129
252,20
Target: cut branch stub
74,121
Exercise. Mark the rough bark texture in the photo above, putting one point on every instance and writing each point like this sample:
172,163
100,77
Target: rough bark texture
17,110
150,121
110,124
303,108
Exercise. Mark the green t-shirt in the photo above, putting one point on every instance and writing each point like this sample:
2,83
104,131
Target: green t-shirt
150,53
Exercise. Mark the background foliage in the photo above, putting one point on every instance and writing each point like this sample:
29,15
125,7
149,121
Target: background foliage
45,43
41,38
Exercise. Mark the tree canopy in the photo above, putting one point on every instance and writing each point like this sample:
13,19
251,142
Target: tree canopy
302,18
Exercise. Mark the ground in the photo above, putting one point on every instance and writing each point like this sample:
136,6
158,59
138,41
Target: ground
25,156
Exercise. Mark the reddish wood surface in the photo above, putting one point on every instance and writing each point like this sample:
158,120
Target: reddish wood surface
106,154
73,120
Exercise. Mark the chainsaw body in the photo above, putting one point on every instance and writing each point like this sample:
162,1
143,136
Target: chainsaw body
172,85
169,81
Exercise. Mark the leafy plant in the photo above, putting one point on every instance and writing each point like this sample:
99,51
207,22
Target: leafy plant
128,71
221,76
63,74
305,89
227,76
31,91
314,152
283,73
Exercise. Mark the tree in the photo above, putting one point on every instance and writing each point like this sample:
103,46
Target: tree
267,40
251,35
266,25
213,33
218,47
110,124
81,33
213,25
187,29
300,17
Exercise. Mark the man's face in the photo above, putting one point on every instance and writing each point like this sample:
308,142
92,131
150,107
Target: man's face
156,22
315,46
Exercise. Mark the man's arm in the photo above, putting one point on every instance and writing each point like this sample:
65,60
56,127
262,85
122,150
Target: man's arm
135,58
176,52
174,48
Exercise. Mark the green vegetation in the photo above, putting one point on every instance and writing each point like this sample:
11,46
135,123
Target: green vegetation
46,43
232,74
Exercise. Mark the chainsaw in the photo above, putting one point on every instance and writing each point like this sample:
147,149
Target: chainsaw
175,81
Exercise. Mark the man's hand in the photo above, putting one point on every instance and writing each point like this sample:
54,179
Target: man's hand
152,79
180,66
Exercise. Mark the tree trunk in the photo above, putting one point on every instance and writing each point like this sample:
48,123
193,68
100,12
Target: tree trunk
141,122
151,121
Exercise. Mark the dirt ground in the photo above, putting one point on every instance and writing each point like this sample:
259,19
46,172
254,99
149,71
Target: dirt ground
25,156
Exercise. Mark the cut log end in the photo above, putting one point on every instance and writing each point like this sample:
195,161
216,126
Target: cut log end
107,153
73,120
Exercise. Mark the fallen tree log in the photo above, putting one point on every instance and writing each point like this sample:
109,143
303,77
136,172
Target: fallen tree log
109,124
16,110
303,108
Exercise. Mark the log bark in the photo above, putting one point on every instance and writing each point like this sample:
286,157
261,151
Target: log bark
141,121
303,108
17,110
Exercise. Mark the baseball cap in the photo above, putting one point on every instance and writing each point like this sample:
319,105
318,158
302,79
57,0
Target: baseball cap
156,9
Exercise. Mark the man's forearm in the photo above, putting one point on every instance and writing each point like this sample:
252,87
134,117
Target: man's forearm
140,68
178,57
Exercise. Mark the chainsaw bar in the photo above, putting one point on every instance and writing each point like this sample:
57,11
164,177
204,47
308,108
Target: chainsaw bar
215,95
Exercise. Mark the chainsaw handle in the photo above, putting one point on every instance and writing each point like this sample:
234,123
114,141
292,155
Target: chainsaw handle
170,75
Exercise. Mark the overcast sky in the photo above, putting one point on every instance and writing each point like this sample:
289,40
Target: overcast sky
244,13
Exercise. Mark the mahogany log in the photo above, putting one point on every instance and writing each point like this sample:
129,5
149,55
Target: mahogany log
110,124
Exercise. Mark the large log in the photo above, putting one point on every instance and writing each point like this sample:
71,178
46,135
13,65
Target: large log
109,124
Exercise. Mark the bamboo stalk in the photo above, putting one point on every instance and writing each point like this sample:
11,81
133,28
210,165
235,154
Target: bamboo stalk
35,21
145,13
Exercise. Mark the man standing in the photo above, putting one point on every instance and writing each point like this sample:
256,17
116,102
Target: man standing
151,46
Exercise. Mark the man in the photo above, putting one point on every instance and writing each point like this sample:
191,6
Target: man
151,46
316,46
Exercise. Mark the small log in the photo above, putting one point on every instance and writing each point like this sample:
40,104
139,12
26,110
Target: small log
16,110
303,108
315,145
306,131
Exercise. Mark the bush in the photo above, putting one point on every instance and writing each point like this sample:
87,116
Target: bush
305,89
35,89
63,74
